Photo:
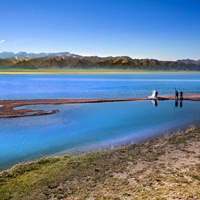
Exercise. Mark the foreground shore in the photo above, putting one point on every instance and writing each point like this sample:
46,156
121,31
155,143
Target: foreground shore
165,168
7,109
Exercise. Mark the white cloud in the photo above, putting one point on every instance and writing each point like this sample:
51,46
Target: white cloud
1,41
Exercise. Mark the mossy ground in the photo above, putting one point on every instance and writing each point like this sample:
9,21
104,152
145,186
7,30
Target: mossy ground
166,168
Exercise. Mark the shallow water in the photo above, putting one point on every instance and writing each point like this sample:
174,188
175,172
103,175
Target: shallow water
94,86
79,128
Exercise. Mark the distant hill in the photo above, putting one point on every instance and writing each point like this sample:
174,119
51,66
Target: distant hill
188,61
23,60
24,55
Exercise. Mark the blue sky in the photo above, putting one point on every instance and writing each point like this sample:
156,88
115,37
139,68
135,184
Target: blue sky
160,29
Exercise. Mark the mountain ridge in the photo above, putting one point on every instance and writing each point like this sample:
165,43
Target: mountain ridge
24,60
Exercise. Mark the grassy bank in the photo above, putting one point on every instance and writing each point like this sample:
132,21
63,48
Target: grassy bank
86,71
166,168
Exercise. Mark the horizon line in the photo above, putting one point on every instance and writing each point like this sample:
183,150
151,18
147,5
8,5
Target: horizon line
97,55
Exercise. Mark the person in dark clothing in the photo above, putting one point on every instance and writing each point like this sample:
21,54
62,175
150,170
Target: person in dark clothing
181,94
176,94
156,93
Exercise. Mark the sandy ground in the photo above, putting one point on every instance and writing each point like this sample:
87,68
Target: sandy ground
7,110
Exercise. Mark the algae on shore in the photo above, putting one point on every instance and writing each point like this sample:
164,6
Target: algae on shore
164,168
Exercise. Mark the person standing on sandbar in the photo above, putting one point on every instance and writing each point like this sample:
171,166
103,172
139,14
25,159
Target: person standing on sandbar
176,93
156,93
181,94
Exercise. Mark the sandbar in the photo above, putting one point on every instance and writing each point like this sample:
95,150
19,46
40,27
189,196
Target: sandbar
7,108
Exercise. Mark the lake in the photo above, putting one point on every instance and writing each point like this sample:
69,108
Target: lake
94,86
80,128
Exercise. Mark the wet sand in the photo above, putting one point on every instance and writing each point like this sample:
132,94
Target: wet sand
7,109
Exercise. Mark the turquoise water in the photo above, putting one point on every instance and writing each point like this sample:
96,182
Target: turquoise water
79,128
95,86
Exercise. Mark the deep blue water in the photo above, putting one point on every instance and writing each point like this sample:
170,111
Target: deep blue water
79,128
95,86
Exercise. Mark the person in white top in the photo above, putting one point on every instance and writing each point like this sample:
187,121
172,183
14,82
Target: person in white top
154,94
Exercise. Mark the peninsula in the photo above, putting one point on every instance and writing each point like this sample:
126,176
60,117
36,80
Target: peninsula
7,111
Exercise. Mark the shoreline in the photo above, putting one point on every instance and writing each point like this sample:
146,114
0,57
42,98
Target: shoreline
7,106
93,72
166,167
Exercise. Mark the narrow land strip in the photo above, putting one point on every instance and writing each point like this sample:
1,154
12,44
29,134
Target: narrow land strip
7,111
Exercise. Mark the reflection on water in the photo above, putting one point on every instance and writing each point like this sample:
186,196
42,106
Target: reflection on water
79,128
180,103
155,102
176,103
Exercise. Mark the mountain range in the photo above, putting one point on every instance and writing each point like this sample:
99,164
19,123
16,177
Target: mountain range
66,60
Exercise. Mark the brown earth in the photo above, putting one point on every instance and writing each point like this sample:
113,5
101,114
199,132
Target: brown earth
7,110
